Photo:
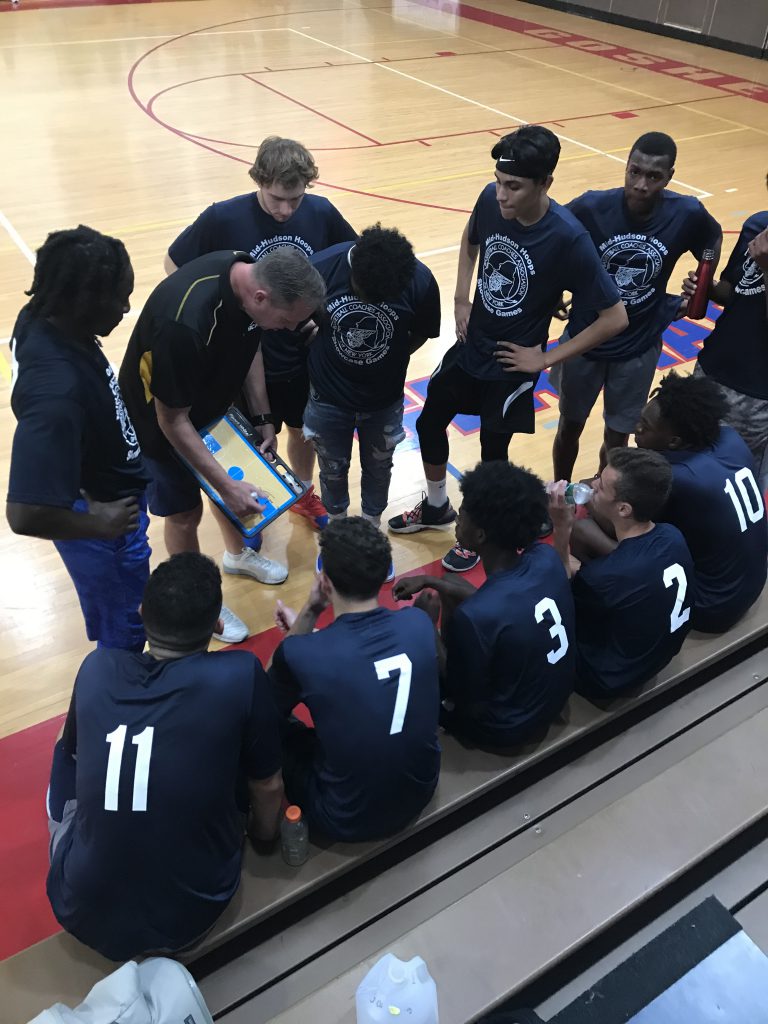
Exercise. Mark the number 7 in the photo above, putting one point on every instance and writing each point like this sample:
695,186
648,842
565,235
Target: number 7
400,663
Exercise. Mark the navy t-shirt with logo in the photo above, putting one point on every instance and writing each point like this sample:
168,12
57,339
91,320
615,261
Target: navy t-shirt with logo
522,272
633,610
359,358
241,223
736,352
163,750
510,649
73,429
370,681
640,257
717,506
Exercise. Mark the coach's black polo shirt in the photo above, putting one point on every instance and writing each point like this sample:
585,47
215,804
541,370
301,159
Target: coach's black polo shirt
192,347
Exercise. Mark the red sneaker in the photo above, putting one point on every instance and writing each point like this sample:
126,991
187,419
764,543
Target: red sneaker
312,508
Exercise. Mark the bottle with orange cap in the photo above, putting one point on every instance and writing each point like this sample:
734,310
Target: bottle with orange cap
294,836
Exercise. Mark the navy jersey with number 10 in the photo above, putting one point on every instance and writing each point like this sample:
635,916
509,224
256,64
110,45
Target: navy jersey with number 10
370,681
717,506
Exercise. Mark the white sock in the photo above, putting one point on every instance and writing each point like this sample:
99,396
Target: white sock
337,515
376,520
437,492
308,483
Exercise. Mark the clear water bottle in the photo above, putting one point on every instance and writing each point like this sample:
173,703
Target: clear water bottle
575,494
294,837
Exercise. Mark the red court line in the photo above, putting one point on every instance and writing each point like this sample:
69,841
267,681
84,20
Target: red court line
728,84
312,110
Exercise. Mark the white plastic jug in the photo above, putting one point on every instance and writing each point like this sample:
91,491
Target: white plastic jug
397,992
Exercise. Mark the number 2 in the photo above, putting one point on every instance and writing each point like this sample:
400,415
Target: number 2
401,664
676,574
557,631
116,741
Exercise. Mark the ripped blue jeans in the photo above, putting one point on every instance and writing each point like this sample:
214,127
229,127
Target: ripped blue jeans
332,429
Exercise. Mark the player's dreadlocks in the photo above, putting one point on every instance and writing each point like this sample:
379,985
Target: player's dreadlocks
692,407
75,269
506,501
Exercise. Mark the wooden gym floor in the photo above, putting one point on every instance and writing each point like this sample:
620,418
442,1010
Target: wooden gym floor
133,117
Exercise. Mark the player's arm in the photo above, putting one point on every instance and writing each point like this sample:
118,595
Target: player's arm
255,388
462,304
589,540
609,323
563,517
758,250
451,591
184,438
266,800
45,479
298,624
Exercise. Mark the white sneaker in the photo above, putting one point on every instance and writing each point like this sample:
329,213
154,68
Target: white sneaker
235,630
251,563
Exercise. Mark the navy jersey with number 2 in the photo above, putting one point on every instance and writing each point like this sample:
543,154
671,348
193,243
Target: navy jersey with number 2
370,681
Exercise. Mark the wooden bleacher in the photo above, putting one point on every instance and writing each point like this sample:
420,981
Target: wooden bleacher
60,969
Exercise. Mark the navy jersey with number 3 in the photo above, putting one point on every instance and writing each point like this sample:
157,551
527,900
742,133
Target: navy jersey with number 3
717,506
370,681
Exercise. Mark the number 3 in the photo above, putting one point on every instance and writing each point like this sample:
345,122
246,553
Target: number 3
401,664
557,631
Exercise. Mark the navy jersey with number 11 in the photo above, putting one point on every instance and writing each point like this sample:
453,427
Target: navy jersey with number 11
370,681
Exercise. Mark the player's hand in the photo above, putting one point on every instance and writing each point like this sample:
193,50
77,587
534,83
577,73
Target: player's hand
429,602
284,616
115,518
268,446
408,587
758,249
520,358
461,310
242,498
308,332
319,594
561,513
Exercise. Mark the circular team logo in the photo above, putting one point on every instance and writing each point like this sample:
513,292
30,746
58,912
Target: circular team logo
504,277
751,274
271,244
361,333
633,264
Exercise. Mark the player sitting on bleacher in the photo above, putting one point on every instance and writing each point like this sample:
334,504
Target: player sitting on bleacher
715,501
509,660
370,682
633,595
151,779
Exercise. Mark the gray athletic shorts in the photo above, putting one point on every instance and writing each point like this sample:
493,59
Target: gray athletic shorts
625,385
749,417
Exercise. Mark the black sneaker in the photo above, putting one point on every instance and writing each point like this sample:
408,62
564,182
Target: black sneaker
423,517
460,559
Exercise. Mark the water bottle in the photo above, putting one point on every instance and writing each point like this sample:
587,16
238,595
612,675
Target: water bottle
575,494
697,304
397,989
294,837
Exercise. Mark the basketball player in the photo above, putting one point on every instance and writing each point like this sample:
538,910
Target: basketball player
735,354
194,347
279,213
509,650
529,248
715,501
370,681
633,603
640,231
77,475
381,304
160,757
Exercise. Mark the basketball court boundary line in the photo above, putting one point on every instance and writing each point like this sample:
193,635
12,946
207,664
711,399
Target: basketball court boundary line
703,194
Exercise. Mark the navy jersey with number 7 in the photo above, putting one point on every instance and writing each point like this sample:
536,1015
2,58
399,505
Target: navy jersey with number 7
370,681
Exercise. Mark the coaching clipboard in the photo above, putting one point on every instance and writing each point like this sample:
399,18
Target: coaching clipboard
234,443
